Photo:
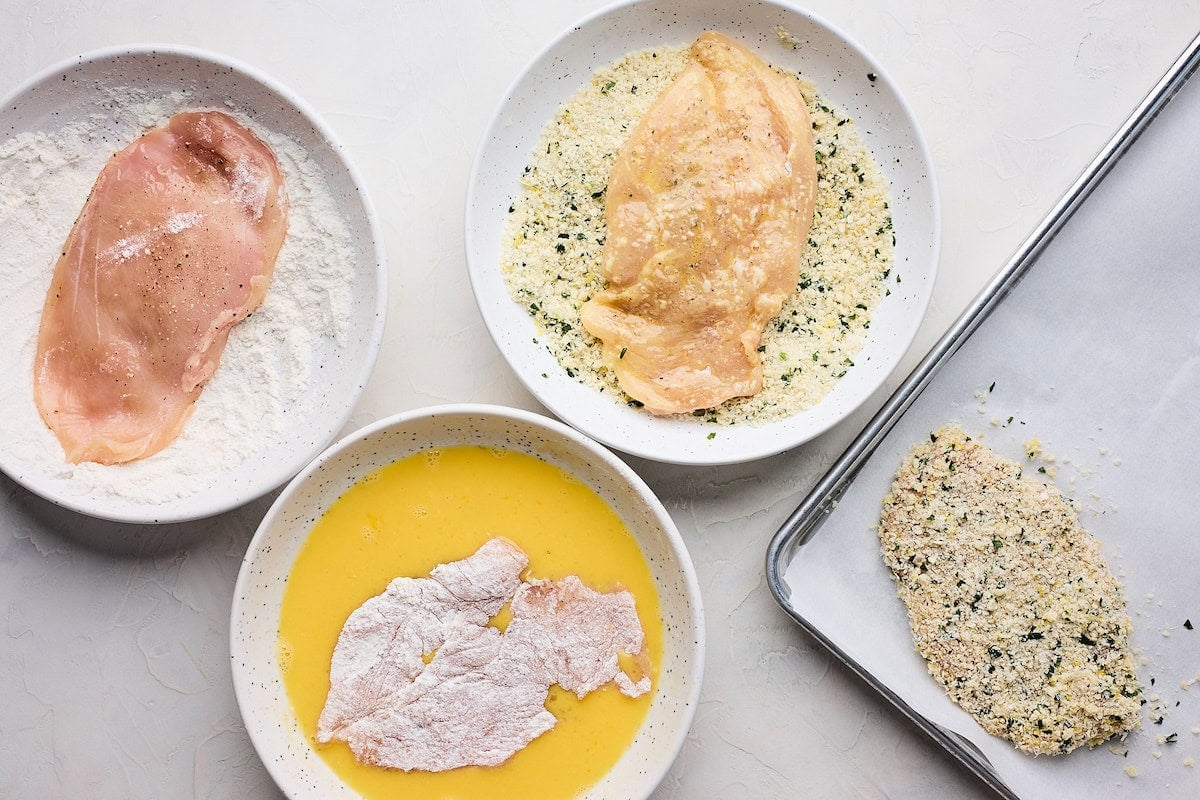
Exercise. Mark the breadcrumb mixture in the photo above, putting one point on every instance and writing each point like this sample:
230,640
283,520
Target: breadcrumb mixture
1011,603
554,240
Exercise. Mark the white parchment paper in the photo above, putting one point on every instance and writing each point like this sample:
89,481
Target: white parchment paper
1096,354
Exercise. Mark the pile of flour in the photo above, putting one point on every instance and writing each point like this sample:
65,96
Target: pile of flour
265,377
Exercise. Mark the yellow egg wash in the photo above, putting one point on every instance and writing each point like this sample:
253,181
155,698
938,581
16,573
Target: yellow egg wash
441,505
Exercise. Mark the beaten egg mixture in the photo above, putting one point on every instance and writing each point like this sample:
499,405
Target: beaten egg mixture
435,507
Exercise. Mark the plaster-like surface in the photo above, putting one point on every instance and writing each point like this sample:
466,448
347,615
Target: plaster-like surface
114,675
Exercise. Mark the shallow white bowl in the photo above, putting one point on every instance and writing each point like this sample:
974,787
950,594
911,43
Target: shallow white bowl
254,624
840,69
72,91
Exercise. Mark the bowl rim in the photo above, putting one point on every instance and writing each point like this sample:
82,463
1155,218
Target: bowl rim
775,445
162,514
696,656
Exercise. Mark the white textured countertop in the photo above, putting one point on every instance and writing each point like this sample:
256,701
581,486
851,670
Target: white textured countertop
114,673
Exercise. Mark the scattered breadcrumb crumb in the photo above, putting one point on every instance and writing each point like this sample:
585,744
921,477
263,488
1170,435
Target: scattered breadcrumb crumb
786,37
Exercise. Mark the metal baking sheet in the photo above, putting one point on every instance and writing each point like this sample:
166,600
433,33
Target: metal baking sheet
1089,342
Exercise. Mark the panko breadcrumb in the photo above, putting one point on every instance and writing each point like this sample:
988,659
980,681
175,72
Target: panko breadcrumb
555,234
1011,603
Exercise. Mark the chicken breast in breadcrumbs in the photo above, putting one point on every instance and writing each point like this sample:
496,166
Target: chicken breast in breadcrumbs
708,209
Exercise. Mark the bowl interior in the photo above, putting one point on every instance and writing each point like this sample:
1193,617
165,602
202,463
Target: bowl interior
78,89
263,700
844,74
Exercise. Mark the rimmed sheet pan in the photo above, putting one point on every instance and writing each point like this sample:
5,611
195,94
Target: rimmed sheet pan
1087,345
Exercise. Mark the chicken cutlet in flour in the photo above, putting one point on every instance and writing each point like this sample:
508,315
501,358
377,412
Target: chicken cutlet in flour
175,245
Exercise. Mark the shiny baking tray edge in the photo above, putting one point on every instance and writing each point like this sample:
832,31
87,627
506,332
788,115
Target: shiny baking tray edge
808,516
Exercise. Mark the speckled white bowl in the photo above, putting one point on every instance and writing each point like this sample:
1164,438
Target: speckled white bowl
254,623
840,69
75,90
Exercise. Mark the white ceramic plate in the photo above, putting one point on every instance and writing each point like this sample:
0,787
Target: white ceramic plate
76,91
840,69
254,623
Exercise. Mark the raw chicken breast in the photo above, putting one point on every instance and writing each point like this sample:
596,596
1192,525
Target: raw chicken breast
175,245
708,209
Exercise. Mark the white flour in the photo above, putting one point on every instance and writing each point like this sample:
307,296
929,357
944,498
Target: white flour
264,375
